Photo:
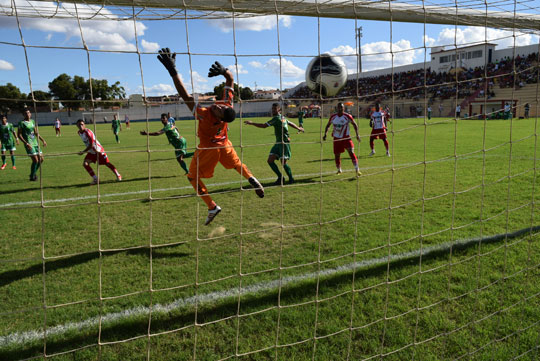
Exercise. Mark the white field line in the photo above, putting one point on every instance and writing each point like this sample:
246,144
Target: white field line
106,195
21,338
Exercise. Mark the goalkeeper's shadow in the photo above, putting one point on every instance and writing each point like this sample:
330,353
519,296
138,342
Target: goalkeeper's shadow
11,276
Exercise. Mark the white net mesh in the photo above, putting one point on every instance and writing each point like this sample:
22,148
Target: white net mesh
430,253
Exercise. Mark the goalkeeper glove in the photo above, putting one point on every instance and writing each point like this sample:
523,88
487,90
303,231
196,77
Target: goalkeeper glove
216,69
168,60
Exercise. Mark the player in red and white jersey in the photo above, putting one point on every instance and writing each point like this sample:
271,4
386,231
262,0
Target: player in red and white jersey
342,138
378,124
95,152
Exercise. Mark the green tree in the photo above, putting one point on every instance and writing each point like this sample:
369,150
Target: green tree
12,98
63,89
77,91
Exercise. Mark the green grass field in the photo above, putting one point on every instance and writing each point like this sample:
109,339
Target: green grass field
432,254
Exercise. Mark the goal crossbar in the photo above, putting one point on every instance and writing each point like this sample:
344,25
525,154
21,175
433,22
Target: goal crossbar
345,9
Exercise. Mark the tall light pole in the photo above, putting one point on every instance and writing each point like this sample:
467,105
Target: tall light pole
359,36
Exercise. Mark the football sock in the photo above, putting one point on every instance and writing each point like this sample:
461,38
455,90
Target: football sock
183,165
275,169
354,160
112,168
244,171
371,144
338,163
288,171
89,170
201,190
12,160
3,159
189,155
116,136
33,169
386,144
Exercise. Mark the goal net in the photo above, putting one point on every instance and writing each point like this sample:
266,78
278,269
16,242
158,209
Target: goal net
417,240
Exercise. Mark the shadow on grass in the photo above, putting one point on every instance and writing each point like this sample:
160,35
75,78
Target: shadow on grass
16,275
85,184
176,319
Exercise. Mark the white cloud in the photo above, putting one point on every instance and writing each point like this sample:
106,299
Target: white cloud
158,89
288,69
4,65
377,55
149,47
99,32
255,64
241,69
252,23
471,34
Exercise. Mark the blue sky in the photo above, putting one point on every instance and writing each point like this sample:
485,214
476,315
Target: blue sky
113,44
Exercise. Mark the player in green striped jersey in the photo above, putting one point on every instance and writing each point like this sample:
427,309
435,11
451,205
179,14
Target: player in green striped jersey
29,135
7,138
175,139
282,148
116,127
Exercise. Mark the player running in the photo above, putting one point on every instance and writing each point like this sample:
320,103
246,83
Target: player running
175,139
116,127
342,138
95,152
282,148
28,133
8,139
214,144
378,123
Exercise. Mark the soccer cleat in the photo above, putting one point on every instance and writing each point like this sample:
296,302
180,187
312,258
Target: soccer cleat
258,186
3,166
291,180
358,173
94,181
387,153
372,153
13,167
33,178
212,213
119,177
339,171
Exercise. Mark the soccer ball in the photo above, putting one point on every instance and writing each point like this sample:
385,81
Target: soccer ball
326,74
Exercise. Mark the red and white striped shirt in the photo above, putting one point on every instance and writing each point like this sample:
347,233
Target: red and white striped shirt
341,125
379,120
89,139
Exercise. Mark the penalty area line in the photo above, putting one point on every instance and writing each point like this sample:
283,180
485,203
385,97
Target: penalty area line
21,338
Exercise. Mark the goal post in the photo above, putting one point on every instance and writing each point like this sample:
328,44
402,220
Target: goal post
346,9
99,117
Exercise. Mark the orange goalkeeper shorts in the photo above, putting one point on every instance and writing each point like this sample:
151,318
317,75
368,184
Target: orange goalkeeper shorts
204,161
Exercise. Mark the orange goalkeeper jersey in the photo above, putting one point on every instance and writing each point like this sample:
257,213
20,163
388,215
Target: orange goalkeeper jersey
212,131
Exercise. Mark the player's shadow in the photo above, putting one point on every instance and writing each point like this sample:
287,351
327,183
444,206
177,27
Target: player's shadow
11,276
290,294
86,184
320,160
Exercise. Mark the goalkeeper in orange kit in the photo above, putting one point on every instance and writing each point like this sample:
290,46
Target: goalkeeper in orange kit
214,144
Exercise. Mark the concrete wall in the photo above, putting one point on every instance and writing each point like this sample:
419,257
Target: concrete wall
137,114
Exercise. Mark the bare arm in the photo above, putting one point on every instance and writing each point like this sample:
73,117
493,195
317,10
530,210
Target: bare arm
326,129
258,125
144,132
15,136
168,60
182,91
355,126
295,126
